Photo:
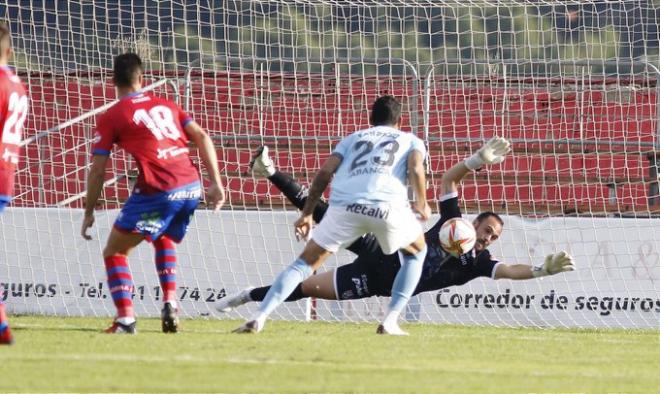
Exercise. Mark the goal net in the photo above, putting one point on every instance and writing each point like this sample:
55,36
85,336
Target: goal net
573,85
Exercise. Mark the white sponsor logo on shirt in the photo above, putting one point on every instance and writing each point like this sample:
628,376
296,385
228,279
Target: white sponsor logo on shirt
171,152
185,194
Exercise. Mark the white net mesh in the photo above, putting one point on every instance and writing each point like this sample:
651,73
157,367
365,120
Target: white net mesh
572,84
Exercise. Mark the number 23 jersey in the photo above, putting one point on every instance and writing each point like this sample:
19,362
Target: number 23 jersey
151,130
374,166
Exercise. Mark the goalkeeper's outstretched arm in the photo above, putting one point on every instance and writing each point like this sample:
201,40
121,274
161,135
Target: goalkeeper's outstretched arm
492,152
452,177
553,264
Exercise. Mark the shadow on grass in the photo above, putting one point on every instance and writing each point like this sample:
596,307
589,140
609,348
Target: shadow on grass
18,328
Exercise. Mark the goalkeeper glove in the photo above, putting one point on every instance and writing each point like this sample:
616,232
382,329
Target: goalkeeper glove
492,152
554,264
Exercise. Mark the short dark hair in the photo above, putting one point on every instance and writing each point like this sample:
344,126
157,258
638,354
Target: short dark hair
5,36
128,66
386,111
485,215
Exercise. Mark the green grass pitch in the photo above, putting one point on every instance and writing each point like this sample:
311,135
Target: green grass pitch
71,355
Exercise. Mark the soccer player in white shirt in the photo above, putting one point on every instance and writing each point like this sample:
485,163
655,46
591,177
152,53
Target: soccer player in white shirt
372,169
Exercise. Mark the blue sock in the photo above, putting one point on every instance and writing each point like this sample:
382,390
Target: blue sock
406,279
284,285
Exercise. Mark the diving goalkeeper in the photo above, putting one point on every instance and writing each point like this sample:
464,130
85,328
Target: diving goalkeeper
372,272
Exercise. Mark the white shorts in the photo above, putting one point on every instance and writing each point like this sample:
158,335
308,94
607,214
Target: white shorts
395,226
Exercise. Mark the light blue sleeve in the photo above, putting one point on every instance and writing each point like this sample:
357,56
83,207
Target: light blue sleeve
343,146
418,144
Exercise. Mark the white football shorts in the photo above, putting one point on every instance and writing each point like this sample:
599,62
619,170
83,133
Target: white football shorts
394,225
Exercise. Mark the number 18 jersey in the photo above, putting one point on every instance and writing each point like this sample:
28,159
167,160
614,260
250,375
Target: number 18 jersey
374,166
151,130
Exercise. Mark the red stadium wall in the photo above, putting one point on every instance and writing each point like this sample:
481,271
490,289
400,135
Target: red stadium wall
303,117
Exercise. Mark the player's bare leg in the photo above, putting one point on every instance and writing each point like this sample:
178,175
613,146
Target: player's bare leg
412,259
311,259
320,286
120,281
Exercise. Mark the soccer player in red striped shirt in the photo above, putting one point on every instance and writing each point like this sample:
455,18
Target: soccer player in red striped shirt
155,132
13,111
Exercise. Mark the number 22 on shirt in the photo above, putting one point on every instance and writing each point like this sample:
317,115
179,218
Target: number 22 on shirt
17,110
13,128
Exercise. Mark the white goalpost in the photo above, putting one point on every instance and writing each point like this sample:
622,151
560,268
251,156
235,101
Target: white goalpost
573,85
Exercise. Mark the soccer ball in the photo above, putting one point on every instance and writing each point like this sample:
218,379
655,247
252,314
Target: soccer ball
457,236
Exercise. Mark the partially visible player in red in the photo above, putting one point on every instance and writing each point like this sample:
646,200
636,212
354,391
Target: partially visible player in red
155,132
13,111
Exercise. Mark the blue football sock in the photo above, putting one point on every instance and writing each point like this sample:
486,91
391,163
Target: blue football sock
406,279
284,285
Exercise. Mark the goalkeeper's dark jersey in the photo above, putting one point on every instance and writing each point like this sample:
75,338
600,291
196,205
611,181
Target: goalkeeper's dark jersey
373,273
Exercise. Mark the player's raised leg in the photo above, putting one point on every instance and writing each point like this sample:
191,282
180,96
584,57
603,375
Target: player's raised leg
315,252
263,166
120,280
